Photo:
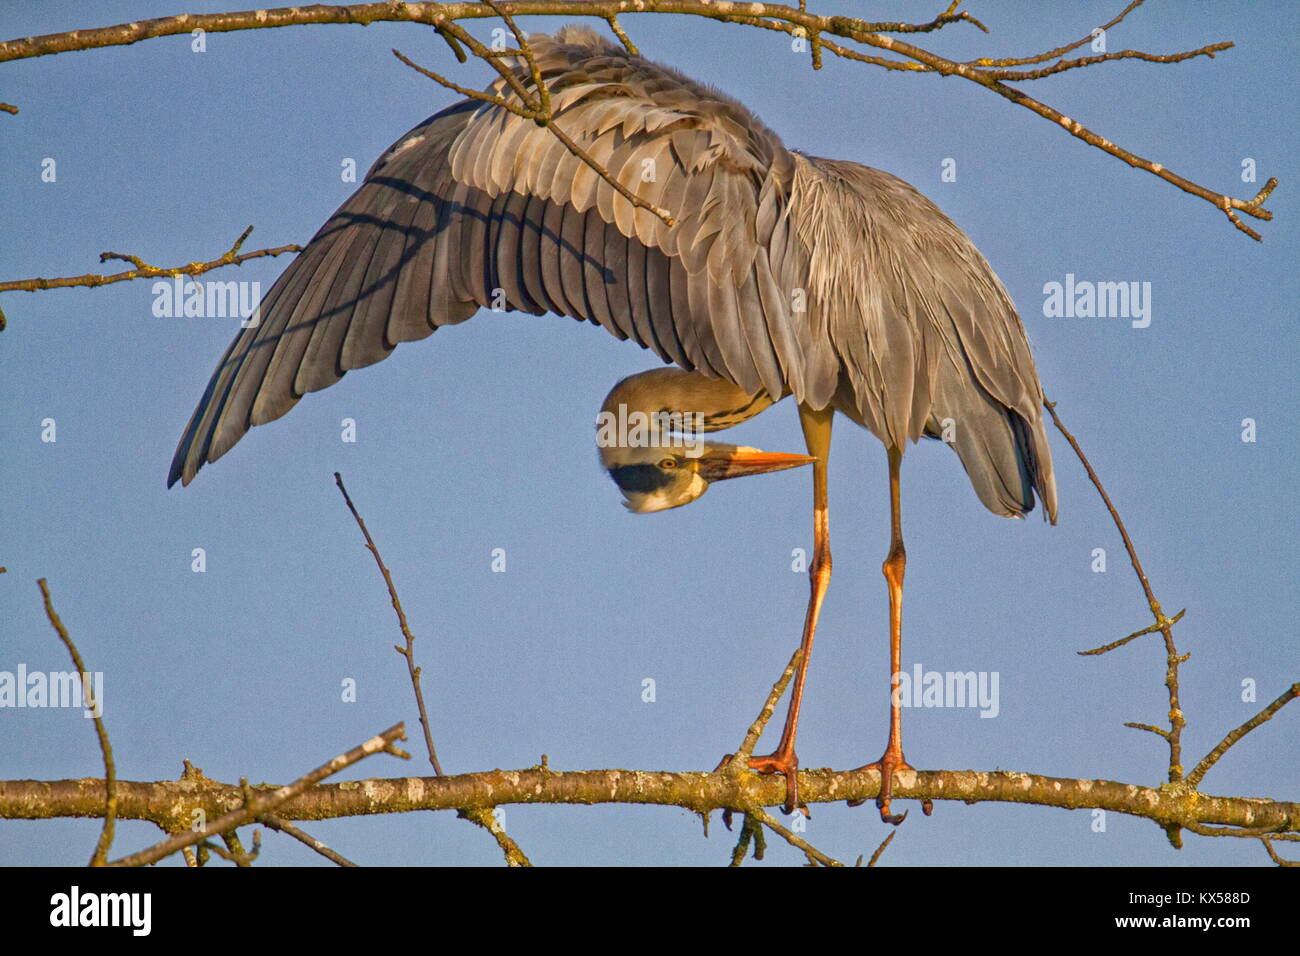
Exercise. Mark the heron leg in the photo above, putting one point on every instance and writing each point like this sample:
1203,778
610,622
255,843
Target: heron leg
893,568
783,760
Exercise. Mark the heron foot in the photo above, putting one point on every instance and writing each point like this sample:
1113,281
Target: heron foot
782,762
891,761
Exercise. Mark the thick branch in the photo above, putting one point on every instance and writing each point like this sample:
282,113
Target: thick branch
796,21
170,803
252,803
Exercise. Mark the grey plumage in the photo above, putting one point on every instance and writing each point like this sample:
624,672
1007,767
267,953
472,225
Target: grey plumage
787,274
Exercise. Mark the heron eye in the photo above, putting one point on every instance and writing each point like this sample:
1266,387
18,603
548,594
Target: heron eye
668,463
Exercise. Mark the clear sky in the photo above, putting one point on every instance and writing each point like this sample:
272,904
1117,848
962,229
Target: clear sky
481,438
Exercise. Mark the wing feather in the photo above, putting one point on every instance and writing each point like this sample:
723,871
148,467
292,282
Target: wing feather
789,274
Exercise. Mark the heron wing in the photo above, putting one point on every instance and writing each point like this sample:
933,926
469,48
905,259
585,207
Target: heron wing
479,207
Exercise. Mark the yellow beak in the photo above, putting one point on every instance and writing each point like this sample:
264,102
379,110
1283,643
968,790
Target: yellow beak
738,462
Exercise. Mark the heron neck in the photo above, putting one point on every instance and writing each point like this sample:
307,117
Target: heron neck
699,403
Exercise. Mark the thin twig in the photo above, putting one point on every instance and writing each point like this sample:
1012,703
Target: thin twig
796,21
622,190
409,651
1165,625
95,707
751,831
814,855
1241,832
746,748
1272,854
543,104
1209,760
263,802
288,829
463,90
1018,75
875,857
1060,51
1149,728
1105,648
938,23
234,851
623,38
486,818
143,270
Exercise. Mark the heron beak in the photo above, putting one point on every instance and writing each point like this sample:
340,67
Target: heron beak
738,462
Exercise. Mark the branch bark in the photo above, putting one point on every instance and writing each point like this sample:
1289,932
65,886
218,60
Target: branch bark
170,803
796,21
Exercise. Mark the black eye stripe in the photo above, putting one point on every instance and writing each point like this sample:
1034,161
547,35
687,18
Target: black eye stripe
643,479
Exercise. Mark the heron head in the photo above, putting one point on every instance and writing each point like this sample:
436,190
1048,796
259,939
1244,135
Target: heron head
658,478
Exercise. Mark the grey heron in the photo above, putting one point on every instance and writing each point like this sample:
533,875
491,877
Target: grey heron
784,274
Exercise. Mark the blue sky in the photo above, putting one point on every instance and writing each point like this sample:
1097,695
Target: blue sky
480,438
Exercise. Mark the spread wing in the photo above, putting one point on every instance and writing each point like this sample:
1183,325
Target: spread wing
477,207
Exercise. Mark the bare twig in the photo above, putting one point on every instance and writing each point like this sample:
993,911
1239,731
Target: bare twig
407,652
1149,728
875,857
288,829
100,855
483,816
536,109
487,819
234,851
1209,760
1105,648
143,270
263,802
1273,832
1060,51
1272,854
815,856
751,831
746,748
1164,624
622,36
939,22
796,21
1060,67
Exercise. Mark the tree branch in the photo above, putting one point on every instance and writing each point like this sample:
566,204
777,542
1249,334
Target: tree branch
251,807
143,270
169,803
100,855
1209,760
407,652
797,21
1162,624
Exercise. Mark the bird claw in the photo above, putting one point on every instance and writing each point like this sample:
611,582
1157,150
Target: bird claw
786,764
772,763
887,765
